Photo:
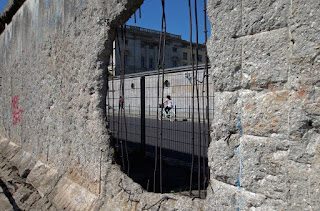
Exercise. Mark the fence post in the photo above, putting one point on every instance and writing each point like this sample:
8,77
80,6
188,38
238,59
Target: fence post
143,116
175,111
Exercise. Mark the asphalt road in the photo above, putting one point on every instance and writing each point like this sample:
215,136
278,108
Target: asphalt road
176,135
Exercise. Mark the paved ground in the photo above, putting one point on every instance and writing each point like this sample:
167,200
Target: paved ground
4,202
176,135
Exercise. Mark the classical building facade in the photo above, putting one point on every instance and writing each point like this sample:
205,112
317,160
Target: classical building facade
142,50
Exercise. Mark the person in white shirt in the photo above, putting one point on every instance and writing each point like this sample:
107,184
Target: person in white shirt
168,103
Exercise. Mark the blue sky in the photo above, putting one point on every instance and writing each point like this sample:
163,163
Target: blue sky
2,4
177,15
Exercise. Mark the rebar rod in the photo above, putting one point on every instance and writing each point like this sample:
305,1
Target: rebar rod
198,102
192,118
157,114
119,128
162,94
112,83
203,131
207,81
203,128
124,112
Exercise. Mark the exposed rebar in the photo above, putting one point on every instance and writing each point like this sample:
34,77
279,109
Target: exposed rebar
120,109
162,94
207,81
192,118
158,96
198,100
124,113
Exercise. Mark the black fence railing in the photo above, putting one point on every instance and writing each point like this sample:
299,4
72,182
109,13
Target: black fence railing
134,123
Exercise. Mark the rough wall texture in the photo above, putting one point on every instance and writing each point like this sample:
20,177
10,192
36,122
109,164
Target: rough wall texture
266,65
265,70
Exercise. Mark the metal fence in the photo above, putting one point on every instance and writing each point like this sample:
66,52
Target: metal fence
133,115
135,124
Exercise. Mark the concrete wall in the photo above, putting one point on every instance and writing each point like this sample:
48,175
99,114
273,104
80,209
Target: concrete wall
265,67
265,72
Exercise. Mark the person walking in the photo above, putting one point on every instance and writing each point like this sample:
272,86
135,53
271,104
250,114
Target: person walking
168,104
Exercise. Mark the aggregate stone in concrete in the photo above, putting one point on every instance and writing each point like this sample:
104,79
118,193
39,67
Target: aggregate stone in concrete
304,97
264,59
223,161
263,113
304,28
226,68
228,26
304,185
267,15
223,196
263,166
225,114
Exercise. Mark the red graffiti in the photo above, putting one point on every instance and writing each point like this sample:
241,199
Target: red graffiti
16,113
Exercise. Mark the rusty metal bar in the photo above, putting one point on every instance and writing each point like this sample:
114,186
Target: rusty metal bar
112,83
162,94
119,128
207,82
192,118
198,102
158,98
124,112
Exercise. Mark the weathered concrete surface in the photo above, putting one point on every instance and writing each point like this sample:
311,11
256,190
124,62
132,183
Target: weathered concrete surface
53,93
23,195
265,68
4,201
266,65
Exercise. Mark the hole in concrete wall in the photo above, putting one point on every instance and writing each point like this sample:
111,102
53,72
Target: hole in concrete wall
135,128
142,38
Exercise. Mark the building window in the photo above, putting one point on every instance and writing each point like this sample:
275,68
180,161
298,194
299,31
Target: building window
142,45
174,63
174,49
150,46
185,56
142,62
151,63
127,41
125,59
200,58
193,57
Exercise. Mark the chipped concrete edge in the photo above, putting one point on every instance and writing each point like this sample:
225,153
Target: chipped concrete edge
58,188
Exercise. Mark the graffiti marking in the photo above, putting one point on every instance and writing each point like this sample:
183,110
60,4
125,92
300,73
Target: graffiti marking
16,113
